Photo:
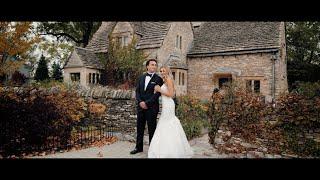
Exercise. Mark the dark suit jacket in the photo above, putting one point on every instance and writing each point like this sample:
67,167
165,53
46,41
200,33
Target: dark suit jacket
148,96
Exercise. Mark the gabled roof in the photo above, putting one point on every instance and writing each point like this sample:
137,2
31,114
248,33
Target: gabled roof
152,35
88,58
99,41
216,38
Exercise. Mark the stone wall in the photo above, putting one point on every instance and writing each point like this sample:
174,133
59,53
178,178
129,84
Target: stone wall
183,29
204,72
121,114
121,107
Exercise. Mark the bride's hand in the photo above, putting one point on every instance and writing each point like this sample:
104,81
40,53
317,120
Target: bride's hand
157,88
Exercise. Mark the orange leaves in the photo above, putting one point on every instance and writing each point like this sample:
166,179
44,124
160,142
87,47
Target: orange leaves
16,40
105,141
97,108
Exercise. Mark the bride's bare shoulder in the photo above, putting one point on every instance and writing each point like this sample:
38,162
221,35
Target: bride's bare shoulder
170,79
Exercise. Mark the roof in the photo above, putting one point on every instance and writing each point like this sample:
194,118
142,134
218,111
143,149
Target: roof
99,41
174,61
216,38
152,35
88,58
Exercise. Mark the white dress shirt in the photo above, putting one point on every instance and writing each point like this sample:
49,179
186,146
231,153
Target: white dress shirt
147,80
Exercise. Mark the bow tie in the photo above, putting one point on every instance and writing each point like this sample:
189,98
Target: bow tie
149,74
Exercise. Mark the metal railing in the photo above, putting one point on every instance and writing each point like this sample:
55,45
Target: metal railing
16,139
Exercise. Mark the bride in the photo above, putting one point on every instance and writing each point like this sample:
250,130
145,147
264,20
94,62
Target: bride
169,139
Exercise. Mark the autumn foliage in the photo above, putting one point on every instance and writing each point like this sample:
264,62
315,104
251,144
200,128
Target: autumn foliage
290,125
16,40
31,116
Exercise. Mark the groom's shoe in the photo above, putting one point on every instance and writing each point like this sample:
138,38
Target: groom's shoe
135,151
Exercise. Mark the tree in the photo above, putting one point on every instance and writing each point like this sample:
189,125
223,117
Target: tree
56,71
78,32
16,44
56,51
303,40
42,72
303,51
123,64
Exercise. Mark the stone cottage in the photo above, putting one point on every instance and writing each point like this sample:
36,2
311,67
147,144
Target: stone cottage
202,55
251,53
168,42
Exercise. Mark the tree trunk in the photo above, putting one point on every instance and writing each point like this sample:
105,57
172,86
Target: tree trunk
87,33
311,56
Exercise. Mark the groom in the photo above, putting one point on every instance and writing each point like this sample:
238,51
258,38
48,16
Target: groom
147,103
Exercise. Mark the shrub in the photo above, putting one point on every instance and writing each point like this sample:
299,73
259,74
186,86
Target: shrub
31,116
289,126
193,115
308,89
18,78
298,117
239,109
192,128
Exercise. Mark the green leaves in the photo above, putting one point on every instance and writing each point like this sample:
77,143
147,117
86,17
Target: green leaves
77,32
193,115
56,71
303,50
123,64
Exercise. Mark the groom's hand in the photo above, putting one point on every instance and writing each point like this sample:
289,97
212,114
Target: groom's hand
143,105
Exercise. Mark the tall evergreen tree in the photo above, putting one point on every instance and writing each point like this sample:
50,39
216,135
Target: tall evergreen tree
56,71
42,72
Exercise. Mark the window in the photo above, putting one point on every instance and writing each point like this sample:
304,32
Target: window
253,86
119,40
182,79
125,41
179,42
75,76
256,86
98,78
223,81
94,78
179,78
90,78
174,75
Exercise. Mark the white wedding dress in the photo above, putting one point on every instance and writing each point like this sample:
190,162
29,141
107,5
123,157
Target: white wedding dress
169,139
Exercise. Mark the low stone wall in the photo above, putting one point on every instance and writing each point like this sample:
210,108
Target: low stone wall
121,106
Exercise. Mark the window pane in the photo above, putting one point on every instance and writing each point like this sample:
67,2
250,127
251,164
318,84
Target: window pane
182,78
119,40
257,86
222,81
126,40
177,41
75,76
